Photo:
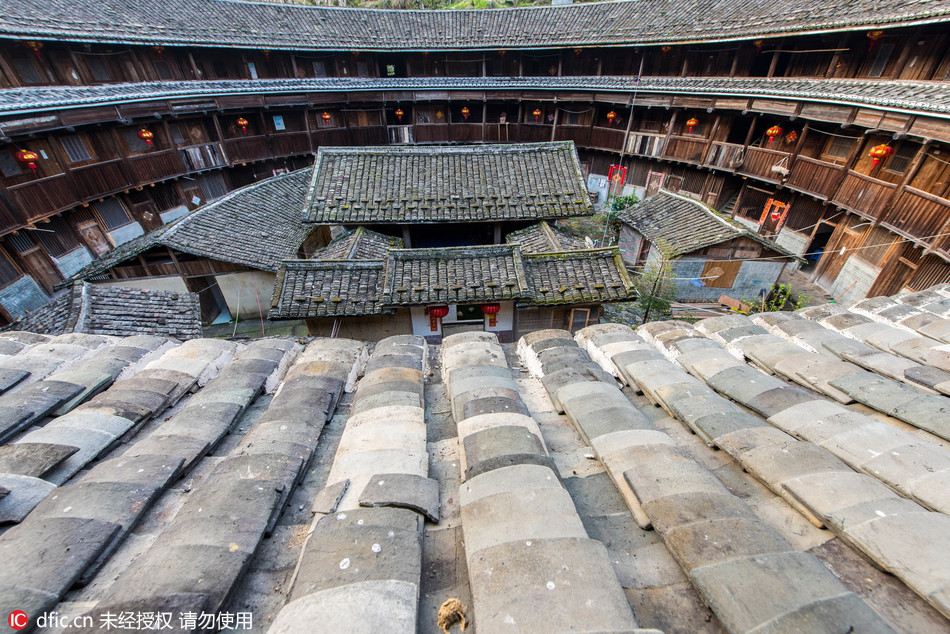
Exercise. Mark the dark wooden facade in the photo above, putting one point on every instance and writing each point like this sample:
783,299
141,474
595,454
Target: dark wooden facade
818,173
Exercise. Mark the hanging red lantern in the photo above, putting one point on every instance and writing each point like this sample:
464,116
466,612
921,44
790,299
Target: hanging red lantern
791,137
28,157
492,311
146,135
578,51
399,114
266,55
758,44
435,314
537,114
243,123
611,117
465,112
691,123
665,50
34,46
159,50
874,36
326,116
773,132
880,152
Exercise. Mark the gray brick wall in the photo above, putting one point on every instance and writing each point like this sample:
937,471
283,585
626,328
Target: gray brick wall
854,280
753,279
72,262
795,242
23,296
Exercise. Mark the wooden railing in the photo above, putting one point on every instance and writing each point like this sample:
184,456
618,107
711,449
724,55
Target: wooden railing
727,156
646,144
247,149
579,134
814,177
206,156
918,213
290,143
610,139
155,166
863,195
688,149
760,161
91,181
43,197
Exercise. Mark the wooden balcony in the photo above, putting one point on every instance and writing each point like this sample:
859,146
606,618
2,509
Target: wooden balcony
760,161
93,181
682,148
727,156
290,143
863,195
202,157
330,137
156,166
646,144
579,134
432,133
247,149
920,214
40,198
609,139
814,177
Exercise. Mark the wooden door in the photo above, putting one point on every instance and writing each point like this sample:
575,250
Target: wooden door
94,238
147,215
654,183
837,253
39,266
773,215
674,183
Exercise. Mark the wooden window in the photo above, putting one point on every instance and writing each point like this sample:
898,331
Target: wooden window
839,147
720,273
880,60
56,237
22,242
904,154
27,70
163,70
8,164
98,68
113,214
580,318
8,272
319,69
75,148
212,185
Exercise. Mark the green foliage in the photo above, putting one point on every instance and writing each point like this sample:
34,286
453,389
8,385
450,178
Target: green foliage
618,203
779,298
656,286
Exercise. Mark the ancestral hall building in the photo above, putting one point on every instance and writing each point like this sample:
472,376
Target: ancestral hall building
825,127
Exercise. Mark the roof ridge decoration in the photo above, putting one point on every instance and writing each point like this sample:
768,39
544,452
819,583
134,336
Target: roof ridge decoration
285,26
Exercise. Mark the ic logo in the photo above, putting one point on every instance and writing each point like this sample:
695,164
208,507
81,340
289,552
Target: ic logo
18,619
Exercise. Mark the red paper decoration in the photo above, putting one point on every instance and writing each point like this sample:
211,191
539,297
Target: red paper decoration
147,136
243,123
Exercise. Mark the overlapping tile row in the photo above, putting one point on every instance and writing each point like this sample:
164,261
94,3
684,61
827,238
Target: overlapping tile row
887,309
532,566
277,25
913,467
476,183
748,574
71,532
897,534
908,401
912,95
935,300
361,565
50,454
543,238
42,357
197,560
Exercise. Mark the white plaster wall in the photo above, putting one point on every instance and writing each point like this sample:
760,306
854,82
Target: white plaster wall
795,242
126,233
853,281
243,290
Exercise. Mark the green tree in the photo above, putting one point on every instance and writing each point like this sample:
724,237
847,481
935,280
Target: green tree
656,285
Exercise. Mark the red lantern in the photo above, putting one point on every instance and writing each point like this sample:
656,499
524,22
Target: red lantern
691,123
578,51
243,123
492,311
326,116
537,114
880,152
665,50
874,36
758,44
399,114
465,112
611,116
774,131
158,51
791,137
435,314
147,136
28,157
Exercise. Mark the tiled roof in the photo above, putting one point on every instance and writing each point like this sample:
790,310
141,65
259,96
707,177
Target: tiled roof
257,226
479,183
931,97
454,275
543,238
276,26
97,309
359,244
686,224
338,288
591,276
